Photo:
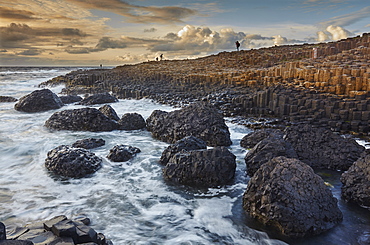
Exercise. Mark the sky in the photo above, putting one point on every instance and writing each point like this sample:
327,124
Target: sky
117,32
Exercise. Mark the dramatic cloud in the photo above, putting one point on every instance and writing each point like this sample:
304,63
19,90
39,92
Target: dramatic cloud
139,14
192,40
22,35
14,14
333,33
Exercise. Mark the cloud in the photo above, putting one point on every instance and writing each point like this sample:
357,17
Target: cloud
139,14
333,33
150,30
15,14
192,40
347,19
22,36
103,44
30,52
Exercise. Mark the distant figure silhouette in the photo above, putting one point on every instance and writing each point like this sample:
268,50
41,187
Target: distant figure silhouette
156,58
101,66
161,56
237,45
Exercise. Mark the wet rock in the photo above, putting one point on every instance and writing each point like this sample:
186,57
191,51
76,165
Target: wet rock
286,194
356,182
72,162
321,148
122,153
132,121
58,230
69,99
39,100
201,168
109,112
266,150
100,98
7,99
188,143
89,143
83,119
199,119
253,138
5,241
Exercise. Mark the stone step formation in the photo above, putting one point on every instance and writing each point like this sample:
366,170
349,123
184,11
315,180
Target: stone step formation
325,84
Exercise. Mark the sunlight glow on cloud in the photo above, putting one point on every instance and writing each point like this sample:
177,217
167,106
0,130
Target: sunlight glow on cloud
333,33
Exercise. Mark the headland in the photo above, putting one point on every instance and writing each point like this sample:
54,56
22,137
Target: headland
324,84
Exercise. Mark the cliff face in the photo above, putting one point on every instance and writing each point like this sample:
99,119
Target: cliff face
326,84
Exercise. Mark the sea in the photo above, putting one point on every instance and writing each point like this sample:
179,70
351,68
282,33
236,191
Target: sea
129,202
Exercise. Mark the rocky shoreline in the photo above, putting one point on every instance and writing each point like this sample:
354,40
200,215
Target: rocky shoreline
284,192
284,82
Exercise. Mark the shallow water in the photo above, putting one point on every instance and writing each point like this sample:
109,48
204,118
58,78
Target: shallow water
129,202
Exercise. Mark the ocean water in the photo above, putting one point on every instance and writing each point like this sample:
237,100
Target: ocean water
129,202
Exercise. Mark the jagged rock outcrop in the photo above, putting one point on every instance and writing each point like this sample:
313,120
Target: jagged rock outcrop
286,194
69,99
58,230
100,98
253,138
188,143
7,99
109,112
39,100
132,121
83,119
89,143
267,149
72,162
356,182
122,153
201,168
321,148
199,119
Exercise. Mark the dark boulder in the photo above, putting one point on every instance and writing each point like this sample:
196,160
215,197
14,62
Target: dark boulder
7,99
199,119
286,194
109,112
201,168
69,99
89,143
132,121
188,143
72,162
266,150
356,182
83,119
101,98
39,100
122,153
321,148
253,138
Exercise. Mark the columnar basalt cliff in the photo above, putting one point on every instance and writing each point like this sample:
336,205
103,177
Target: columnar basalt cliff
326,84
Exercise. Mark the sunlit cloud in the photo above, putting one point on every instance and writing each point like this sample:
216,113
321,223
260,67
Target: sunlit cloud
137,13
333,33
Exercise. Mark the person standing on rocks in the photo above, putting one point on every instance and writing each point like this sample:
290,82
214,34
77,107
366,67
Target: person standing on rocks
161,56
237,45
